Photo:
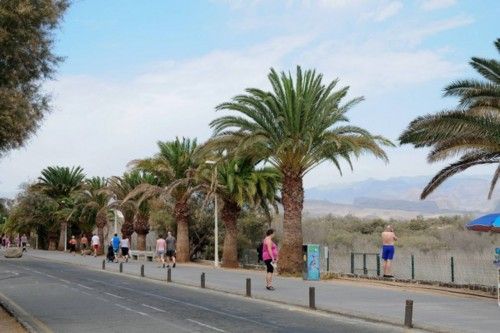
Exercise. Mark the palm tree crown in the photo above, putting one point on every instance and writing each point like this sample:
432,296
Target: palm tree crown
471,131
296,126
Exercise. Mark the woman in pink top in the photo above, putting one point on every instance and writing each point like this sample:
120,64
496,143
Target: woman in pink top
270,256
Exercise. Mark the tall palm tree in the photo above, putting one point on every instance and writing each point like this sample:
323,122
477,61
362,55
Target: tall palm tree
173,162
238,185
470,131
61,183
295,127
94,201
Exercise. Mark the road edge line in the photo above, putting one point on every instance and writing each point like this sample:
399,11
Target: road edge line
27,321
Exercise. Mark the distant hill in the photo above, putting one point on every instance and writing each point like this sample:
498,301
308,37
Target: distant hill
462,194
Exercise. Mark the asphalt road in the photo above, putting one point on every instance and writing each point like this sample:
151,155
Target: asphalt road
58,297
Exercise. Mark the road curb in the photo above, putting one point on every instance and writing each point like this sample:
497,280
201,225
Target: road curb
320,310
28,322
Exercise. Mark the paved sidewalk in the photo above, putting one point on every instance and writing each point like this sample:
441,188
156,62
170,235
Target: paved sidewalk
432,310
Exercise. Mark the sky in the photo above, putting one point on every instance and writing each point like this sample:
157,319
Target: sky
136,72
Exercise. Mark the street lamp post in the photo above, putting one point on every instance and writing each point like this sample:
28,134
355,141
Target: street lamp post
216,227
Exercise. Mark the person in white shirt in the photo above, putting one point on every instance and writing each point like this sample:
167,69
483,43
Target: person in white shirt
95,244
125,245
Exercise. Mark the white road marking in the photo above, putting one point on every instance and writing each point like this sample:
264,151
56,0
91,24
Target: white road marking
110,294
65,281
81,285
152,307
50,276
205,325
132,310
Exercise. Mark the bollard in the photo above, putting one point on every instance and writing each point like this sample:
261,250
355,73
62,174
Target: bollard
121,267
142,270
103,264
378,264
169,275
412,267
312,298
202,280
249,287
452,270
365,270
409,313
352,263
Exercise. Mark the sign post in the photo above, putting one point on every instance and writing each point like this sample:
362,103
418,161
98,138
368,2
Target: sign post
497,264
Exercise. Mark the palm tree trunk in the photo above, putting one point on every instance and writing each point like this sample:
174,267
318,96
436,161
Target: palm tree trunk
181,212
62,236
52,236
292,194
141,228
128,226
229,216
100,234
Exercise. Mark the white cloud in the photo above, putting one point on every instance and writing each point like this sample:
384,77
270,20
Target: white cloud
436,4
386,11
416,35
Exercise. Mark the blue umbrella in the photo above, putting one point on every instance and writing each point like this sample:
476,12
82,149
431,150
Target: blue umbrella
490,222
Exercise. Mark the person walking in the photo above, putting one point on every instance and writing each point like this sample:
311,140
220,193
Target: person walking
24,242
270,257
388,239
95,244
125,246
116,245
72,245
84,243
171,242
161,245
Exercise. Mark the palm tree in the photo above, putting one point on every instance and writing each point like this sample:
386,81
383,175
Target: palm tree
295,127
61,183
121,187
238,185
94,201
173,163
471,131
137,201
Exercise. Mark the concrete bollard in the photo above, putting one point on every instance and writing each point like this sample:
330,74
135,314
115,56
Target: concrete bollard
169,275
103,264
202,280
409,313
249,287
312,297
142,270
121,267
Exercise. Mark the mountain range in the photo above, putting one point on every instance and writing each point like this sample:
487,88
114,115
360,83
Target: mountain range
400,197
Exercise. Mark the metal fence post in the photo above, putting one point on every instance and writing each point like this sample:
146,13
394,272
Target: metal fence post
103,264
121,267
378,264
412,267
409,313
365,269
312,298
328,260
249,287
202,280
142,270
169,275
452,270
352,262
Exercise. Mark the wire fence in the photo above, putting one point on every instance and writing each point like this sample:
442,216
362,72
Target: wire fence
457,267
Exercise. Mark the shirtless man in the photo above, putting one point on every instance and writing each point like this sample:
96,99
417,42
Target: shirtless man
161,246
388,238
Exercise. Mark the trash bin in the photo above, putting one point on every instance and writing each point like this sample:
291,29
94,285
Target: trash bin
311,269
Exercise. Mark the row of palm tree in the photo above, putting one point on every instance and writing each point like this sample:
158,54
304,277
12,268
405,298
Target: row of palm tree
266,144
